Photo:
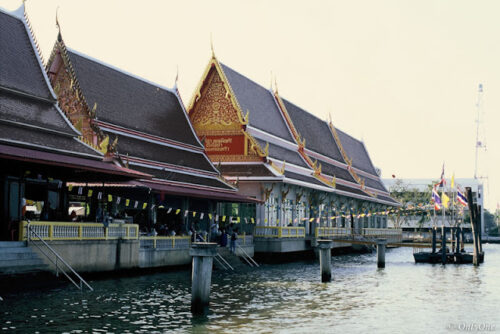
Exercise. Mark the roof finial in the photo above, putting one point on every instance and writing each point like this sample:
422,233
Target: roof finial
176,77
275,85
212,45
330,117
59,36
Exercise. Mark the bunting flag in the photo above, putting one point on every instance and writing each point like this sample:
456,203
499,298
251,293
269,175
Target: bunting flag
194,214
223,218
136,204
99,195
145,205
89,193
238,219
210,216
110,198
169,210
461,198
80,190
118,199
252,220
177,211
216,218
59,185
186,213
127,202
202,215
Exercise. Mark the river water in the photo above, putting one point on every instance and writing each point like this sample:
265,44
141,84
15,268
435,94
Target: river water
286,298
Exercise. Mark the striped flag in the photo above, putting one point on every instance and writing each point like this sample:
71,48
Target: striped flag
461,198
436,198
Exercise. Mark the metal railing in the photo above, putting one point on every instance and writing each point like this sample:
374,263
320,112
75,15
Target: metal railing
79,231
391,234
57,261
280,232
325,232
165,243
244,240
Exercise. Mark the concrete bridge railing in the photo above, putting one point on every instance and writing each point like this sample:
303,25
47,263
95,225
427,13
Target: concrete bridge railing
280,232
79,231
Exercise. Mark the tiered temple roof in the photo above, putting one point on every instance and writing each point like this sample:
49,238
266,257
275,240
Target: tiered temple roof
32,127
146,122
296,146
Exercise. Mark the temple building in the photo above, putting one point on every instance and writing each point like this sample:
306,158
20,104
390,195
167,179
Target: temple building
147,129
309,174
40,150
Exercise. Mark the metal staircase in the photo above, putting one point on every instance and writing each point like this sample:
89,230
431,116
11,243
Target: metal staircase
61,266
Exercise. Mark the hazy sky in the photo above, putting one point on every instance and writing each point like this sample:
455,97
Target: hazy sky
401,75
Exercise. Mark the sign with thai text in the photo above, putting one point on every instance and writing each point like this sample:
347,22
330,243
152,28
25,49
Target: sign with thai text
225,145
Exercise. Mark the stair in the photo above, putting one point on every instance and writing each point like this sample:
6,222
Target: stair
17,258
235,261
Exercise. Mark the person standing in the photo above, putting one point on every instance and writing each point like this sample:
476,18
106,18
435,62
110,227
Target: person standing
232,246
223,239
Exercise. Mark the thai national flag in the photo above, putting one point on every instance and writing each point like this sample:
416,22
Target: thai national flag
461,198
436,198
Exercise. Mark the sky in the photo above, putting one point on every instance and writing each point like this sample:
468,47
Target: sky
400,75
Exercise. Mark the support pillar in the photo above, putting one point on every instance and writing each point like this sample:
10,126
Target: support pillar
443,245
434,240
201,275
381,252
325,259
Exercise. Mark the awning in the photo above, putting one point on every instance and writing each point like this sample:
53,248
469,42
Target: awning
179,190
78,165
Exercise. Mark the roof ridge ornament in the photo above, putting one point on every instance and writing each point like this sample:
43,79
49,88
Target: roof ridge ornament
212,46
176,78
59,35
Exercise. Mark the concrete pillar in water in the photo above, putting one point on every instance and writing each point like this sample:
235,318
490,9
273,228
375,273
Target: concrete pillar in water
201,275
325,259
381,252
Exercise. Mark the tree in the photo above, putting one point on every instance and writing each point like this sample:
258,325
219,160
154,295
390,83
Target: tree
411,199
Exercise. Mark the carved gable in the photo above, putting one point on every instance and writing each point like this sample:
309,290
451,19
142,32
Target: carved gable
218,123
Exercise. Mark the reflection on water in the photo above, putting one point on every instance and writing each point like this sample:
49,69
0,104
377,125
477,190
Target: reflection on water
403,297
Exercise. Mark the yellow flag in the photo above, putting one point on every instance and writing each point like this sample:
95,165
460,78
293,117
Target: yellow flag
89,193
210,216
445,199
144,206
238,219
453,181
127,202
177,211
223,218
110,198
